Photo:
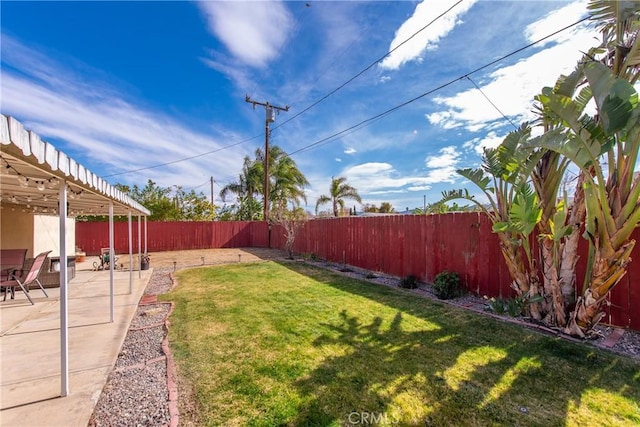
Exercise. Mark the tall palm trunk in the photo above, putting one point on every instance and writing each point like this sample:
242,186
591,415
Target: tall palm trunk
610,247
570,249
609,268
612,194
525,278
559,251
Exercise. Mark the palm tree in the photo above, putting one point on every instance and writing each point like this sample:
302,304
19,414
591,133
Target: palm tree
513,209
286,182
606,201
245,188
611,193
338,192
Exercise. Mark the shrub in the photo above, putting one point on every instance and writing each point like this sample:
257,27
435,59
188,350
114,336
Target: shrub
408,282
310,256
447,285
497,306
514,307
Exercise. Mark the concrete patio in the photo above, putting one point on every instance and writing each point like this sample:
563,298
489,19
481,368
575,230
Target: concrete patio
30,347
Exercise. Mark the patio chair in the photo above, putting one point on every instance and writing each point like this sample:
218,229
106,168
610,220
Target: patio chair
29,279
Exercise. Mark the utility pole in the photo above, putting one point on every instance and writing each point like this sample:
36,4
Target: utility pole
270,118
211,191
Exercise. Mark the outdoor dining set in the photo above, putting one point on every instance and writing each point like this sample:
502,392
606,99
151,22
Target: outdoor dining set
18,273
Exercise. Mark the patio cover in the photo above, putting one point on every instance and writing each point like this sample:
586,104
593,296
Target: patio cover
39,179
26,156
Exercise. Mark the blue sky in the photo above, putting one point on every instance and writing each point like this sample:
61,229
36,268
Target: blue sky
125,86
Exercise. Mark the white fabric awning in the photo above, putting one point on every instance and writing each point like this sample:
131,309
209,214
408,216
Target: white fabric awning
30,170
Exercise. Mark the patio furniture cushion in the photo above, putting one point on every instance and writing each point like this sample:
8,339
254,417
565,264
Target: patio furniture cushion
10,260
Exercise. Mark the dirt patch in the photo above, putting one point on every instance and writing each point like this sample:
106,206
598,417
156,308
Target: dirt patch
192,258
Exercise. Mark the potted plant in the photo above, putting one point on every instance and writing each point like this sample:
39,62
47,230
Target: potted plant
144,262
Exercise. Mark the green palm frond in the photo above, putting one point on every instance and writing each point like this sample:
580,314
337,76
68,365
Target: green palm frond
632,61
614,17
477,177
321,201
558,226
459,194
583,97
615,98
525,211
567,85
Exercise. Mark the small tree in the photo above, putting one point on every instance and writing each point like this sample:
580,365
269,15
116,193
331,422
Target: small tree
370,208
291,221
194,206
157,199
385,207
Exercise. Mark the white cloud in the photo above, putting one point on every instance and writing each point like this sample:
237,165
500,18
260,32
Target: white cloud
490,140
237,74
445,119
427,39
556,20
511,89
442,167
368,169
378,193
91,116
381,178
349,150
448,156
253,32
338,159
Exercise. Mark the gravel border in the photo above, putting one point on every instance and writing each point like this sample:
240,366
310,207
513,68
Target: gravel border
137,392
142,390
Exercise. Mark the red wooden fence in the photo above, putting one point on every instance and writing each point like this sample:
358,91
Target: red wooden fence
171,235
399,245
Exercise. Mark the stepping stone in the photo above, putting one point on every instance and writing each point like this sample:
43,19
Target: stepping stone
612,339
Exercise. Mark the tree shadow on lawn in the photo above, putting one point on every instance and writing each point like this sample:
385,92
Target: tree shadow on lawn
458,367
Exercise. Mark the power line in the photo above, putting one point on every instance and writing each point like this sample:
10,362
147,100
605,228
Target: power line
368,67
197,186
334,61
362,123
377,116
492,104
397,107
185,158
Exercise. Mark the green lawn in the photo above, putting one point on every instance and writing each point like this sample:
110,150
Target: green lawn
289,344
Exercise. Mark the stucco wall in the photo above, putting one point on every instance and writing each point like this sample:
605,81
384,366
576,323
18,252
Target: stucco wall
16,230
46,235
36,233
